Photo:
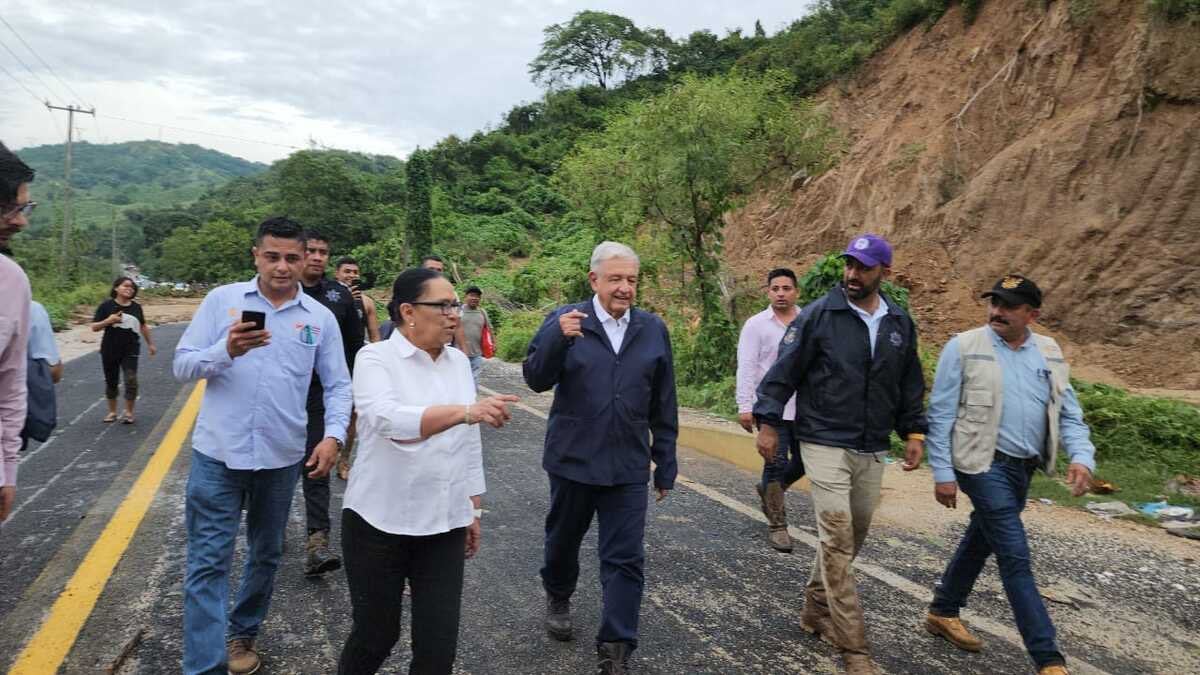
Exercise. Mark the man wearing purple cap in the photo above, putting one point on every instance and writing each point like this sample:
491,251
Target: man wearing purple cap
1001,407
851,360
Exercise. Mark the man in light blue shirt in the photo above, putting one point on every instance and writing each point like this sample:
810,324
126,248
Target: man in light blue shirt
249,440
1002,404
45,370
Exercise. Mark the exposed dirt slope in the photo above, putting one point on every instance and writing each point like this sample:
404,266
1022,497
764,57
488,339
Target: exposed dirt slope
1028,142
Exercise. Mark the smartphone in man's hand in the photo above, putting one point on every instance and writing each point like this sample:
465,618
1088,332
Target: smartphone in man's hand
259,319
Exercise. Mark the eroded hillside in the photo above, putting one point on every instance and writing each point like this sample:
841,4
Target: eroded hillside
1063,146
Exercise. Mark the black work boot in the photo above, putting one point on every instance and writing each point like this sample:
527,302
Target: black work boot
613,658
319,559
558,619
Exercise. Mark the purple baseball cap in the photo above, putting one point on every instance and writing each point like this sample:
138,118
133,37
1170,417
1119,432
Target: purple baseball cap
870,250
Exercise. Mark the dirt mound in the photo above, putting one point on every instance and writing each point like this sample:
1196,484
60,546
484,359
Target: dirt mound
1065,148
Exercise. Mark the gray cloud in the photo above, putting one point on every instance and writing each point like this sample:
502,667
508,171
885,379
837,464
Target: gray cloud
383,74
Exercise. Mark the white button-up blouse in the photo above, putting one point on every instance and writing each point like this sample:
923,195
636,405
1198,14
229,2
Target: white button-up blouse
401,484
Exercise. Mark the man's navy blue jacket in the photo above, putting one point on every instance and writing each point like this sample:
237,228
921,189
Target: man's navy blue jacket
607,406
845,398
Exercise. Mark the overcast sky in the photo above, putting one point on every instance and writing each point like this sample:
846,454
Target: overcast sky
381,76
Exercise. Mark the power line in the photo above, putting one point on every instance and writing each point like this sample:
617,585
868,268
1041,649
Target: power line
26,66
202,133
18,81
43,61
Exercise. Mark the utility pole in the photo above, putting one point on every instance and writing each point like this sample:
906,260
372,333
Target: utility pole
116,265
66,232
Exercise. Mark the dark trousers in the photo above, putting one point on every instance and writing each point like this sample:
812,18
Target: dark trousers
114,366
316,490
998,496
783,470
377,564
621,511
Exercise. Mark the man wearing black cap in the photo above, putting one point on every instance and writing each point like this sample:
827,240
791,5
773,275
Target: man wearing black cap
1002,404
851,360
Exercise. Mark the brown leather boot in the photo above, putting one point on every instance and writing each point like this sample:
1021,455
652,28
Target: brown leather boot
859,664
777,532
954,630
815,619
319,558
243,659
1056,669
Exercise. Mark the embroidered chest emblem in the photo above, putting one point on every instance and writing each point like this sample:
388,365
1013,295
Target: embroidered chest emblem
790,336
332,295
307,333
895,339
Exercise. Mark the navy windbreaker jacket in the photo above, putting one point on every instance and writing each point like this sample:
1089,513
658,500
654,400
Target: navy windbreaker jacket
607,406
846,398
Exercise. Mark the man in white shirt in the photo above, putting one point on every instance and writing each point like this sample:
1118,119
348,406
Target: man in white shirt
758,347
614,411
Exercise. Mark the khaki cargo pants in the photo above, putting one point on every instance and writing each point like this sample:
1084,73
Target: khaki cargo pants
845,493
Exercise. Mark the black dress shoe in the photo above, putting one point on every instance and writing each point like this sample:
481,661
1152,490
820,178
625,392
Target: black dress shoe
613,658
558,619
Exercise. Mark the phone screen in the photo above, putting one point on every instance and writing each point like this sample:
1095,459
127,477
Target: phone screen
259,319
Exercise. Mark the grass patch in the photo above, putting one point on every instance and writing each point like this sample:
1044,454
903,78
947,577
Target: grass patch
512,341
716,397
61,302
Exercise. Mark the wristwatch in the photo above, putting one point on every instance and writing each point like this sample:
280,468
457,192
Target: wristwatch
340,445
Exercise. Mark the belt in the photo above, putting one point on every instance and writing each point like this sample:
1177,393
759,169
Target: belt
1019,461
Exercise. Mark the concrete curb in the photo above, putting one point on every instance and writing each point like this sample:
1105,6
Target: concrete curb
735,448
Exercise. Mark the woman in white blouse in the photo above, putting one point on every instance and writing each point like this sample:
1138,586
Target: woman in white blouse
412,507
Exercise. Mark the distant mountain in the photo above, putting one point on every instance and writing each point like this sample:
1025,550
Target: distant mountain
123,175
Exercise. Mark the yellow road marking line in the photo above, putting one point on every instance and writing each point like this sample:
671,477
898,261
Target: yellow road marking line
57,634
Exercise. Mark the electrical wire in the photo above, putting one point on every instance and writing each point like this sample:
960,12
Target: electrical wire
202,133
44,64
27,68
6,71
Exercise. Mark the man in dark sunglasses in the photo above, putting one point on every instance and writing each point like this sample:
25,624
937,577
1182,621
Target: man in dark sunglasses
15,206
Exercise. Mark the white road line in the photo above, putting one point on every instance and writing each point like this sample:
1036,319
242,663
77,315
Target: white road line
54,478
30,455
917,591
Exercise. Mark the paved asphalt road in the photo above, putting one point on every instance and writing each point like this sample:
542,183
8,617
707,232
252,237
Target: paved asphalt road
717,599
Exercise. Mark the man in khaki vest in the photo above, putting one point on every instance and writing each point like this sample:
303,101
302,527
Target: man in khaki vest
1002,405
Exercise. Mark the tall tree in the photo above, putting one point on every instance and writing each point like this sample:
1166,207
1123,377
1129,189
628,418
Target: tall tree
690,155
419,221
595,46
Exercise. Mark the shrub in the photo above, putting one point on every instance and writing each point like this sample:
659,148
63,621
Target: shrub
519,328
1174,10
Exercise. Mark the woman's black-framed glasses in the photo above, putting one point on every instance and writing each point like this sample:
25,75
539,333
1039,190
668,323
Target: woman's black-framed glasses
20,209
447,308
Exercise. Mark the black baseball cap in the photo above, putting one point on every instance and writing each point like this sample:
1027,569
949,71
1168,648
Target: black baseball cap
1015,289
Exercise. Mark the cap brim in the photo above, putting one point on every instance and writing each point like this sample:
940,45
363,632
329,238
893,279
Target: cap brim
1010,298
862,258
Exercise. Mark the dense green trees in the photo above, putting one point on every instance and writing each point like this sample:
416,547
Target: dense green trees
597,47
687,157
419,223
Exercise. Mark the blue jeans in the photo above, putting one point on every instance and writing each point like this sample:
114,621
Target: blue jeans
783,470
476,366
215,496
621,512
998,496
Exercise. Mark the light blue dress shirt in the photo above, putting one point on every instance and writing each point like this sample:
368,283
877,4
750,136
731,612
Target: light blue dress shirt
253,415
41,335
1023,414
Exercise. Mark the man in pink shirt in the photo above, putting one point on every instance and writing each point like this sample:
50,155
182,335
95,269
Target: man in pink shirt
15,208
758,346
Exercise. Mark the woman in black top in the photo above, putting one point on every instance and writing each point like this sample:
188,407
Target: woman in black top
121,319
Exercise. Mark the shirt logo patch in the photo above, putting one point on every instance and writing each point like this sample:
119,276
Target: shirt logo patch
895,339
332,295
790,336
307,333
862,243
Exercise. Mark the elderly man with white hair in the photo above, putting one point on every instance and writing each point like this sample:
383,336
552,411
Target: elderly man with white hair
614,411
